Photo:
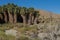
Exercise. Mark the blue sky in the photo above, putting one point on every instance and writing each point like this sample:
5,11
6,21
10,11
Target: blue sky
48,5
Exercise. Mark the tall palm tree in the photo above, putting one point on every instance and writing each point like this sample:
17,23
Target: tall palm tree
1,17
10,15
4,9
32,18
31,11
36,14
0,9
5,14
23,13
15,14
10,9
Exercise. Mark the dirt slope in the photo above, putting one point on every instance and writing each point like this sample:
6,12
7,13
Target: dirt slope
47,14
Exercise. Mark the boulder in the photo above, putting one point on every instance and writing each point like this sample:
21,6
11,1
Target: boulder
11,32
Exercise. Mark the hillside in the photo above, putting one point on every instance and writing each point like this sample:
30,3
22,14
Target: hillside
48,14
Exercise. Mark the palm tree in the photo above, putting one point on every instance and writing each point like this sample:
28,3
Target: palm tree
0,9
10,12
4,9
15,15
10,15
23,13
31,11
36,14
1,17
32,21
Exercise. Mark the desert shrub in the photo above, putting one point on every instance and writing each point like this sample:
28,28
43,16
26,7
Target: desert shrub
23,38
3,27
10,37
23,29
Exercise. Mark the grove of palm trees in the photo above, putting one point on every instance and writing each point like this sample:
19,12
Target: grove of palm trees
11,13
18,19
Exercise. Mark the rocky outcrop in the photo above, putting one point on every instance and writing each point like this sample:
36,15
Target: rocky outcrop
11,32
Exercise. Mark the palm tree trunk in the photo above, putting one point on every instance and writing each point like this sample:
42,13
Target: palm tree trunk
15,18
29,20
10,18
35,21
24,20
32,20
1,17
5,17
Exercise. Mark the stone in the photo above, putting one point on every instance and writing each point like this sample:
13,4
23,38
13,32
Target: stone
11,32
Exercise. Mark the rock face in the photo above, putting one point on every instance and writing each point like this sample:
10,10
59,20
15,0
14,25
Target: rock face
11,32
42,35
47,36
